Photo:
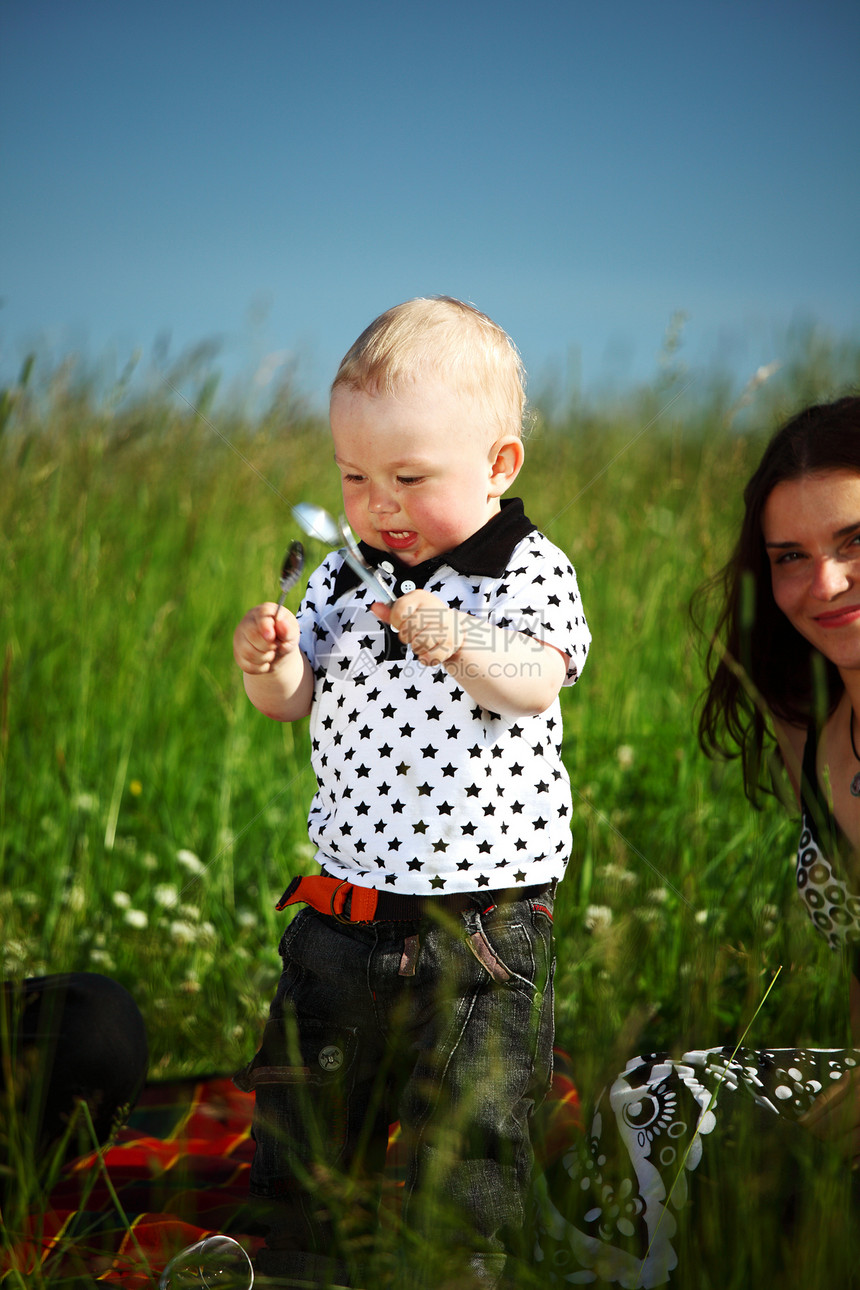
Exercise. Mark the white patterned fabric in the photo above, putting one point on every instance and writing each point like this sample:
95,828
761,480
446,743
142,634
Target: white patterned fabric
611,1209
615,1201
831,903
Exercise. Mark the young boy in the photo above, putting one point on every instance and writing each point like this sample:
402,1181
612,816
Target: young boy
417,982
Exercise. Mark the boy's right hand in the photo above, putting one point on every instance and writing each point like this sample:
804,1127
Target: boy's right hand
265,636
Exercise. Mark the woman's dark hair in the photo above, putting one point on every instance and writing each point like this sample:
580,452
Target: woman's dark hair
757,663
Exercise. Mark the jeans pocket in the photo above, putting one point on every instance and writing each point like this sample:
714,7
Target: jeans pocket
514,945
302,1078
513,1011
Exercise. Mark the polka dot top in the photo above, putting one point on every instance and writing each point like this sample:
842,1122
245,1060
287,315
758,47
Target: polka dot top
832,904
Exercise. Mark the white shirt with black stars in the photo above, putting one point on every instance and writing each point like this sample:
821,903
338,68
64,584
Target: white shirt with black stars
420,790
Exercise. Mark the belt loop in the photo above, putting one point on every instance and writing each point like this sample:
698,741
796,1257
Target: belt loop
409,957
482,949
472,918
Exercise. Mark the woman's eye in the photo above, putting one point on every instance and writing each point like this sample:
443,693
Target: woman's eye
409,479
788,557
353,479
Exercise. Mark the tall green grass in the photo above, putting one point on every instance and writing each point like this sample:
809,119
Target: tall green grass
149,817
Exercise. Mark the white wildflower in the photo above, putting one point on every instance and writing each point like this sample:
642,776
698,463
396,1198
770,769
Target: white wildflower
598,918
85,801
101,958
702,915
149,861
246,918
165,894
658,895
190,861
183,932
617,873
136,918
626,756
122,899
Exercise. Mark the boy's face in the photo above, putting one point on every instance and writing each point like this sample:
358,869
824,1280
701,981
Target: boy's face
420,468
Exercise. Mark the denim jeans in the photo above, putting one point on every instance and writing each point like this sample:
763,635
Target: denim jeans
445,1025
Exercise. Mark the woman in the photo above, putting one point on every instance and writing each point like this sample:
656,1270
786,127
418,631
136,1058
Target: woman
800,545
683,1153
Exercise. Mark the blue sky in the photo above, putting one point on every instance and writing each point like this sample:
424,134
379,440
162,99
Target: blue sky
273,175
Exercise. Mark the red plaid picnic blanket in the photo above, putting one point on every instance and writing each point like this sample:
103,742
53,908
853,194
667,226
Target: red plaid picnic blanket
179,1172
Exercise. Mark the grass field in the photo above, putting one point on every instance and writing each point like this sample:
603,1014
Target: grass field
150,817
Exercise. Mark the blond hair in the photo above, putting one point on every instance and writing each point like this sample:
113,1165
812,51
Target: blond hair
443,337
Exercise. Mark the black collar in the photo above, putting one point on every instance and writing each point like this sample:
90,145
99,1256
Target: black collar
485,554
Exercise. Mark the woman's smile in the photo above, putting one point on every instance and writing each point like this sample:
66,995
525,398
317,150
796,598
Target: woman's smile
811,528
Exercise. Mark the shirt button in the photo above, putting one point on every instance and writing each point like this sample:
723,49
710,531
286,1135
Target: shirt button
406,586
386,565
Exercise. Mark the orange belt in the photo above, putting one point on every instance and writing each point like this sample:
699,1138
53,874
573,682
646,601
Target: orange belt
334,896
351,904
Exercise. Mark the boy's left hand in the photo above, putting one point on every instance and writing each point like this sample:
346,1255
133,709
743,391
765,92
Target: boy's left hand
508,672
431,629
